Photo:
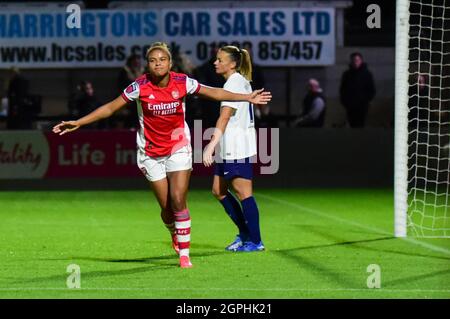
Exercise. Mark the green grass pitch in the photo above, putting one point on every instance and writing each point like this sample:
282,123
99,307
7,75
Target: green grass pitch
319,244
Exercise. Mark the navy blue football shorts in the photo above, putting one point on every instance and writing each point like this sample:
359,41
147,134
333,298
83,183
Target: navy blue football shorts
230,169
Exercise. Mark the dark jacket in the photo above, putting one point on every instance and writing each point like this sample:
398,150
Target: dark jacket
309,116
21,109
81,104
357,87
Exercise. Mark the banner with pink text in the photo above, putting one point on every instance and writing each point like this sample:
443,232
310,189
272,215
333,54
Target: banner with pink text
93,154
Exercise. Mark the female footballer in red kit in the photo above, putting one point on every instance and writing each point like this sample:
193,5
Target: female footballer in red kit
164,150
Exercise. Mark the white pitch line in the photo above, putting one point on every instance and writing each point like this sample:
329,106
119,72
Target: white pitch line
226,289
346,221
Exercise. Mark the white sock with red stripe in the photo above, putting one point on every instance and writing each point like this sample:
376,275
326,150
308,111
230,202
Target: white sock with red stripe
183,231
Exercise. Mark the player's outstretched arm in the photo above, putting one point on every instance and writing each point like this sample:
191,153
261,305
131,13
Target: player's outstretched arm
218,94
102,112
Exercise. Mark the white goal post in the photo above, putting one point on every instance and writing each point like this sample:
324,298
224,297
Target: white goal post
422,119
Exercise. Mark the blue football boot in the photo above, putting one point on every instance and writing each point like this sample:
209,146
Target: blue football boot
235,244
249,246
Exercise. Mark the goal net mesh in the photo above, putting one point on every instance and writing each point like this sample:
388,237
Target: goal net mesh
429,119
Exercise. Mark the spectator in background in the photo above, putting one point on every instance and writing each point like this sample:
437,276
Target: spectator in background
20,113
83,101
130,71
314,107
206,74
182,64
357,90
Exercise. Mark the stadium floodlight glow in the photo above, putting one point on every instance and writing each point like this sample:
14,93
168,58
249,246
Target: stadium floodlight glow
422,118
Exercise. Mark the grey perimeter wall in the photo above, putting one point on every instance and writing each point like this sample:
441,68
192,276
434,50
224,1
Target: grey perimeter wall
308,158
334,158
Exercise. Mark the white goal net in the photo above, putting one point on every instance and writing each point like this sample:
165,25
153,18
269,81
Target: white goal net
422,119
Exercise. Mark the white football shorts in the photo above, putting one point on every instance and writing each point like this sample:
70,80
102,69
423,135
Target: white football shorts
155,168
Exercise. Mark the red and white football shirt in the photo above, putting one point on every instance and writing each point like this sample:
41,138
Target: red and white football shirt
161,112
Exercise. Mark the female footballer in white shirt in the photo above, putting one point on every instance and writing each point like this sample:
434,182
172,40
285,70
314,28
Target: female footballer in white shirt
236,135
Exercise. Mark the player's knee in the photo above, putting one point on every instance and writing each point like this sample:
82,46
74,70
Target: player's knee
178,202
242,194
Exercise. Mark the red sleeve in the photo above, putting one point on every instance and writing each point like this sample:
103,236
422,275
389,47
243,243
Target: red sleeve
125,97
197,89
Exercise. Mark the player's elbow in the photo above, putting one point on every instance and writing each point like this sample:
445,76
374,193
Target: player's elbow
223,121
225,116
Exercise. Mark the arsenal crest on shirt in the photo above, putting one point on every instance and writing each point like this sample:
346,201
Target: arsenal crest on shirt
175,94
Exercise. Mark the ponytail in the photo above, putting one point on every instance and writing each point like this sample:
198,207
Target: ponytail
246,65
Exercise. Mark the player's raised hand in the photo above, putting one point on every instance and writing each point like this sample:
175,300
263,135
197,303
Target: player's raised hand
65,127
260,97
